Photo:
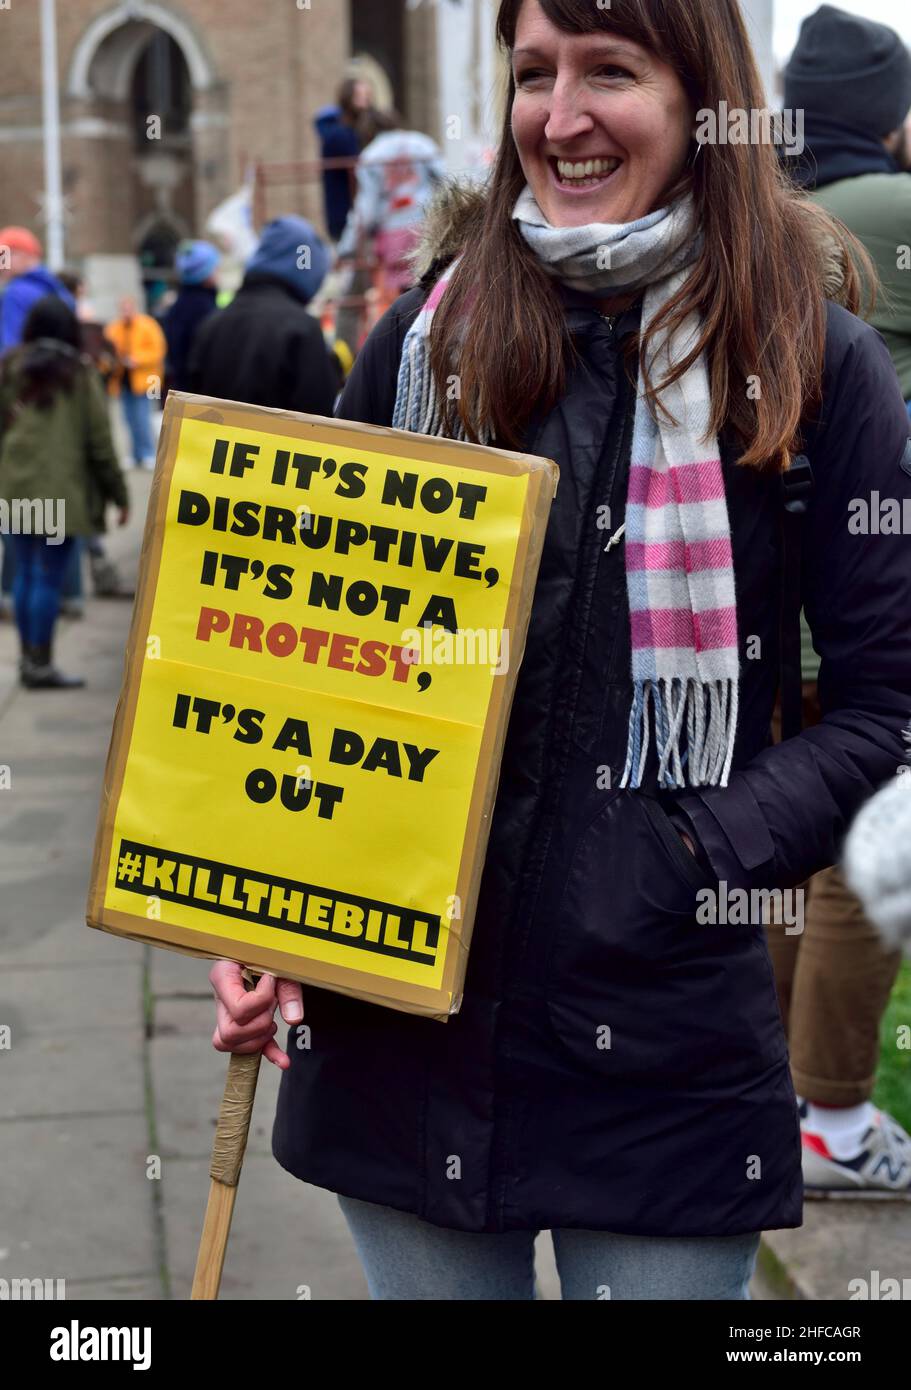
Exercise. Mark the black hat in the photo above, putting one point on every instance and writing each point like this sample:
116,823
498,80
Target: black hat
851,69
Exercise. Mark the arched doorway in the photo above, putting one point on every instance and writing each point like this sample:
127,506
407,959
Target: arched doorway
157,241
160,106
141,79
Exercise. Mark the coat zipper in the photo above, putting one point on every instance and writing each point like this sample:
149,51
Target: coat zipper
544,818
498,1175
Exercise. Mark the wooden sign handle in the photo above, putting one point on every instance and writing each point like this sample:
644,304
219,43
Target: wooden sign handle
228,1151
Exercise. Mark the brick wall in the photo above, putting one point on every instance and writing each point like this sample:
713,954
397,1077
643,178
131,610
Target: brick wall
421,88
273,65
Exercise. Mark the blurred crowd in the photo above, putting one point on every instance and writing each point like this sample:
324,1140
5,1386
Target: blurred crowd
286,338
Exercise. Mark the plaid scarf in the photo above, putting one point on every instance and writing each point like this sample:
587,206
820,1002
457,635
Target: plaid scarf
679,562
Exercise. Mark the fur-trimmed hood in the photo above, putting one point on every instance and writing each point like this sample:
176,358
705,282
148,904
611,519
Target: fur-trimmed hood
457,209
452,214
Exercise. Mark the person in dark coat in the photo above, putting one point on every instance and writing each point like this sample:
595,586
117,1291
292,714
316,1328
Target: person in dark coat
338,128
197,263
265,348
616,1071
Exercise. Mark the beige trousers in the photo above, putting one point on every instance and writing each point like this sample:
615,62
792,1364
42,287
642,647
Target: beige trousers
834,983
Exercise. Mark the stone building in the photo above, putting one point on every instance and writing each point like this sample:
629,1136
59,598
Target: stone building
165,103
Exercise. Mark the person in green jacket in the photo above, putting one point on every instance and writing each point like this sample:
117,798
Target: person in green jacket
851,78
58,471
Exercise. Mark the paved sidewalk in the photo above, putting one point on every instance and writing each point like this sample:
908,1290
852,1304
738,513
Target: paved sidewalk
111,1063
110,1060
840,1242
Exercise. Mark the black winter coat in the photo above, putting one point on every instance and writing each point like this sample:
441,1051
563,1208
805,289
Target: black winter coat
265,349
181,324
522,1111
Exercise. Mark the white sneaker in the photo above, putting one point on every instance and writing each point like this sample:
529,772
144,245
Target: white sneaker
881,1168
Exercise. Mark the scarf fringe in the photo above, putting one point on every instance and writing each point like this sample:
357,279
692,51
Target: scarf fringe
417,405
706,710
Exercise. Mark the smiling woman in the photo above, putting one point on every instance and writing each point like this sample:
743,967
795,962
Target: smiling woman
601,127
617,1072
625,84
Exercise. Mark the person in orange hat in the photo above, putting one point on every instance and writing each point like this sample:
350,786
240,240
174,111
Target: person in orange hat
140,346
27,282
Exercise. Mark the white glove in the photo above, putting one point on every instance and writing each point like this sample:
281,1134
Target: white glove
877,860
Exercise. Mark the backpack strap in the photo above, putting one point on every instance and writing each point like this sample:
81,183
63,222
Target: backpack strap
796,489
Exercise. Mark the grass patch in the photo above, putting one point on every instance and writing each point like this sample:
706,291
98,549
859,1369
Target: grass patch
893,1082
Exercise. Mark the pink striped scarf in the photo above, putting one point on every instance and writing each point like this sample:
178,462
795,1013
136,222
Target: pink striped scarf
679,562
680,579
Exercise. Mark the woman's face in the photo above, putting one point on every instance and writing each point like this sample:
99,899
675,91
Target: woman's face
602,126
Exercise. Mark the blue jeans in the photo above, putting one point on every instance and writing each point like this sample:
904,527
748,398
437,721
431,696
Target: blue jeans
72,575
409,1259
6,564
37,583
137,410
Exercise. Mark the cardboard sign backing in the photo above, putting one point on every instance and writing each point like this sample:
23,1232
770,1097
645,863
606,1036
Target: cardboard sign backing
325,642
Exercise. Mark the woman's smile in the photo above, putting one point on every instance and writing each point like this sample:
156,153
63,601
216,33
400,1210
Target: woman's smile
583,175
601,124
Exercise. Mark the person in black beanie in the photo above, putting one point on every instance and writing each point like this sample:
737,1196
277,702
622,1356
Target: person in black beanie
850,79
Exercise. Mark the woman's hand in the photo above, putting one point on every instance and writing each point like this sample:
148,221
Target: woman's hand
244,1018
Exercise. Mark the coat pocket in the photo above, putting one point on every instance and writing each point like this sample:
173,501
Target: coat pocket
630,894
680,999
686,863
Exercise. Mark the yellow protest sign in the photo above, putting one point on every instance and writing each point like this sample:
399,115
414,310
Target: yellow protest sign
324,646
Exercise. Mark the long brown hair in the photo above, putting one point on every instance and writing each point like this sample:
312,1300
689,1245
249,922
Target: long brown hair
757,285
49,360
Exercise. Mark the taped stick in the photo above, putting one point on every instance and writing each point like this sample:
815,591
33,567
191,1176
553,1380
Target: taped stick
228,1151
